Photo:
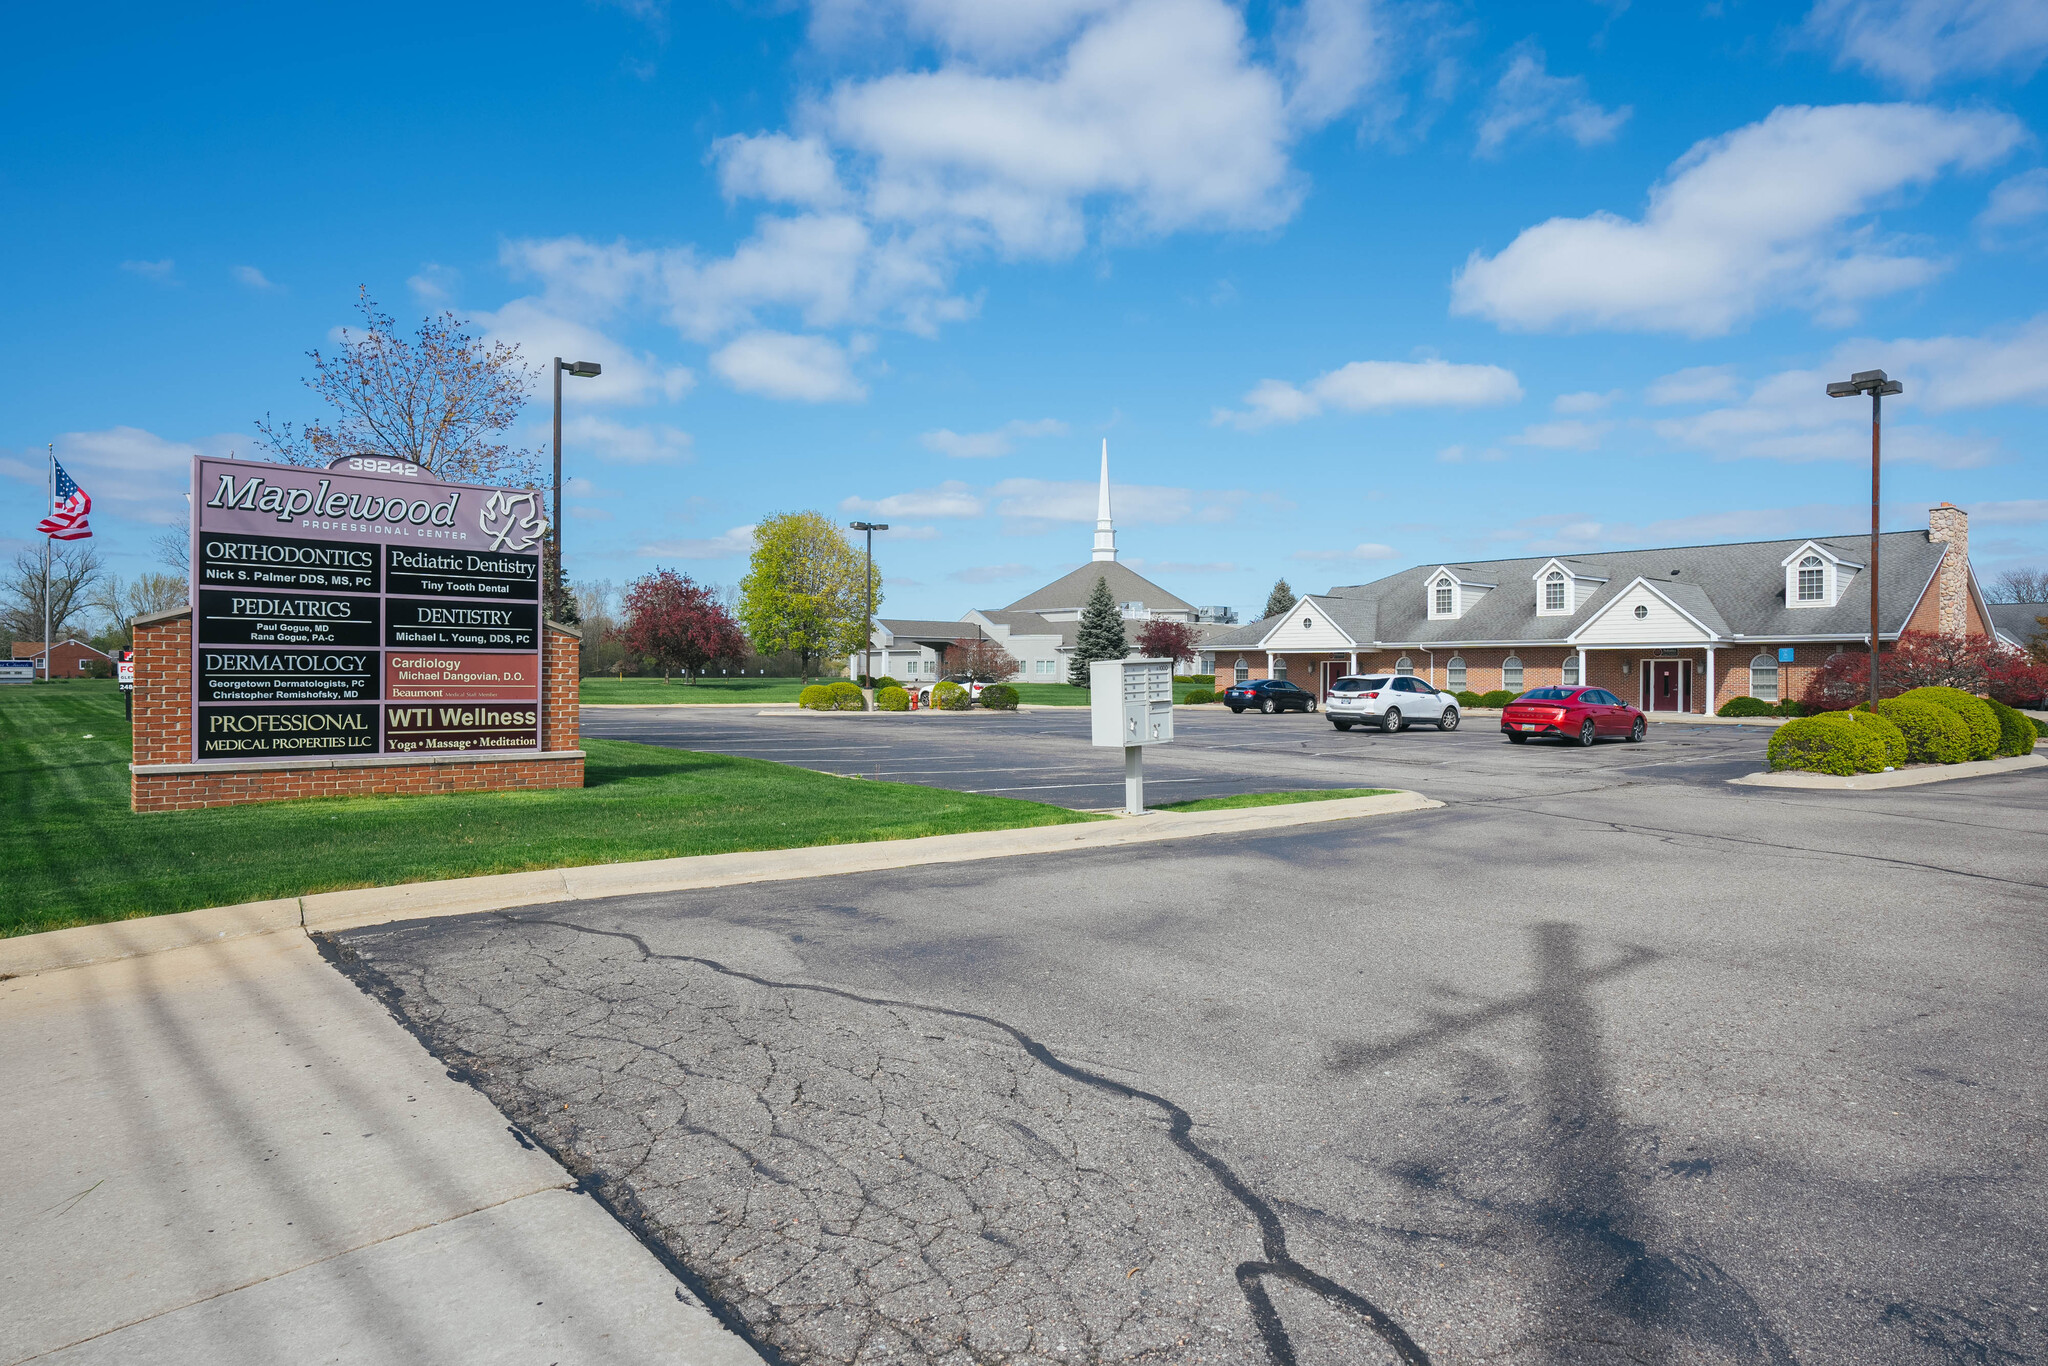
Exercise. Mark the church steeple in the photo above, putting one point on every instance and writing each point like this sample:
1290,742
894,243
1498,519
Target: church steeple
1105,529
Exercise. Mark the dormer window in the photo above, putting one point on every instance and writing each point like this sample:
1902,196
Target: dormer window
1554,591
1451,595
1446,599
1562,587
1813,580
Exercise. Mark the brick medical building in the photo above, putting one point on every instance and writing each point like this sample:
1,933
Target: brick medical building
1680,629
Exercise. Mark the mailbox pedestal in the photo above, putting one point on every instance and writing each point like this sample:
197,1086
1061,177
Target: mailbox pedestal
1130,706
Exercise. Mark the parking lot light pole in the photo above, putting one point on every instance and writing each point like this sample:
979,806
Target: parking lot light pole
1874,383
582,369
867,668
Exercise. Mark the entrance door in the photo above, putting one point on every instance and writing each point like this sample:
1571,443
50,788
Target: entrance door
1668,683
1332,670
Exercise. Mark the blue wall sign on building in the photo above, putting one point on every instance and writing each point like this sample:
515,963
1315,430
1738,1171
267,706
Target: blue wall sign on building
1784,654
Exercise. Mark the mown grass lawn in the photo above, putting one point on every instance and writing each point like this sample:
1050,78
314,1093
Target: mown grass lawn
598,689
1066,695
72,853
1322,794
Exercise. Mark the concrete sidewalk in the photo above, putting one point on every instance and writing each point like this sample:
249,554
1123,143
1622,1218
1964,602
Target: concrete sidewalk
228,1154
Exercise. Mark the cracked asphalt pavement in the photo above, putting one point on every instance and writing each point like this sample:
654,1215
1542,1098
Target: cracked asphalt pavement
1603,1062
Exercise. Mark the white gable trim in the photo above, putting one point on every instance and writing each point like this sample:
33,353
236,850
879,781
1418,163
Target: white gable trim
1287,632
1816,548
1621,599
1569,572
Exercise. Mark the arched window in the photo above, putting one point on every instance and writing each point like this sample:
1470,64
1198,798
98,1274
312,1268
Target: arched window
1454,673
1763,678
1511,673
1553,591
1445,598
1240,672
1813,579
1280,667
1405,666
1571,670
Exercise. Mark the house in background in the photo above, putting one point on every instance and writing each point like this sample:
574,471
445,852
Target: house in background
1680,629
1041,628
71,658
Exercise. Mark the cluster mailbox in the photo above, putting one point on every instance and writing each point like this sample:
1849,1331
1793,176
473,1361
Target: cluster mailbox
365,608
1130,706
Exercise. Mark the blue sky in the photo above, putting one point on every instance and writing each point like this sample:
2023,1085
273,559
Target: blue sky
1346,284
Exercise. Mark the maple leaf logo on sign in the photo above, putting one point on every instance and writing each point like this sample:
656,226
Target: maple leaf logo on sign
512,520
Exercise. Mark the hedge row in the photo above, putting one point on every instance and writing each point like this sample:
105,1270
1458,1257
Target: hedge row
1931,726
1197,697
1839,742
1756,706
841,696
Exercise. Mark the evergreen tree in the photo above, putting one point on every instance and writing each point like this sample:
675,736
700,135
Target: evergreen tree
1102,634
1279,600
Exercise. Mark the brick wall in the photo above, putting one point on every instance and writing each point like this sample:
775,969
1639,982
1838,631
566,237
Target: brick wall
163,736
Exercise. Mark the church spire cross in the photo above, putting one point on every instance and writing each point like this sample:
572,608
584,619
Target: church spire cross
1105,529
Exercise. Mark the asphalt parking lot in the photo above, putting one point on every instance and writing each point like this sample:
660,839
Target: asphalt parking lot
1602,1062
1045,755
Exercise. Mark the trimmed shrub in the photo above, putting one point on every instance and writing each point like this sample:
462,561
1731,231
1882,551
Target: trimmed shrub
999,697
1499,697
1792,709
1895,748
1746,706
1934,734
1198,697
950,696
817,697
1830,743
1469,699
892,698
1210,679
1975,712
885,682
845,696
2016,732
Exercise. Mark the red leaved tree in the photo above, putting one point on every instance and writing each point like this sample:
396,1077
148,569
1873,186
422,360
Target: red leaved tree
982,660
2018,679
679,624
1978,665
1174,640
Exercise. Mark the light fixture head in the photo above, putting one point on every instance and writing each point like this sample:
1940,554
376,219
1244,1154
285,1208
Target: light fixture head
1891,386
1842,388
1867,378
585,369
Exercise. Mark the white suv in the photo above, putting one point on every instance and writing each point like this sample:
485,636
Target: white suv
1390,702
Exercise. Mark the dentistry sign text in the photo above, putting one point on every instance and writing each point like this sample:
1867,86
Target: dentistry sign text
367,608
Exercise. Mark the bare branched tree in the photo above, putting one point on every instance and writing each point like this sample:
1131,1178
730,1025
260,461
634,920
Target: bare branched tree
146,593
75,575
2019,585
441,399
173,550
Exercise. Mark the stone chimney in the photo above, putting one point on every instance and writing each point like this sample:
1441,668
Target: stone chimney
1950,524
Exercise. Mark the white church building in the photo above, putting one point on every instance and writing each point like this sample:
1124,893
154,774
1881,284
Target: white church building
1040,629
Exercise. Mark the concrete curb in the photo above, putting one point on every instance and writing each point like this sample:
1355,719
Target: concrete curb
54,950
1904,777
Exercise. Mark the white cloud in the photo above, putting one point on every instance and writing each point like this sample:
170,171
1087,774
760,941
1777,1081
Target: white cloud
542,334
899,532
971,29
2021,199
1369,385
129,472
1695,384
590,514
251,277
778,168
1789,417
1946,373
784,365
1567,434
435,284
1333,51
1585,401
983,445
150,270
2014,512
623,443
950,499
1074,500
1528,99
1188,567
990,573
738,541
1918,43
1566,533
1365,550
1755,218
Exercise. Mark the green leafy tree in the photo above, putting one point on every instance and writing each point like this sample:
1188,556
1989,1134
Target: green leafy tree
1101,636
805,591
1279,600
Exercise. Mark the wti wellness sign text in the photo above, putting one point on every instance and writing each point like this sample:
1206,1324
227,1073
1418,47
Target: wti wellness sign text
341,611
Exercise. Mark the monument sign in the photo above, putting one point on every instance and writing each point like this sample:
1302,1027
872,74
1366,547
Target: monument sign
367,608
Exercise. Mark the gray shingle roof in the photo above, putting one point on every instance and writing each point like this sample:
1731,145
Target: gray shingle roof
1071,591
1032,624
1735,589
904,628
2018,620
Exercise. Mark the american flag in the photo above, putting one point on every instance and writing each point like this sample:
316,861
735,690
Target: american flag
66,521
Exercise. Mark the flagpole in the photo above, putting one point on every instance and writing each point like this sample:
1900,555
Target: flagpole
51,477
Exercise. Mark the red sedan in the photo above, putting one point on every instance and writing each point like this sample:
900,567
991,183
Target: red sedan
1580,714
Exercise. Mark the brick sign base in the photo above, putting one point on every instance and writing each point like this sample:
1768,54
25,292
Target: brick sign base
163,776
